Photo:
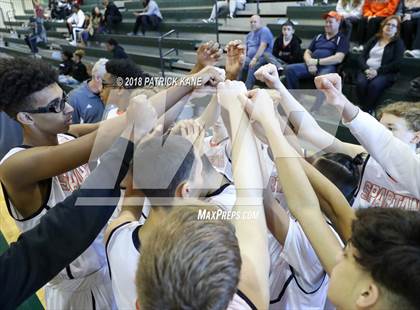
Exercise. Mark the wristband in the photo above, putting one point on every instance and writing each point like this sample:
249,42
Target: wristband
317,62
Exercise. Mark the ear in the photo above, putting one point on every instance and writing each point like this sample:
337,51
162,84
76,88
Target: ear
183,190
369,297
24,118
416,138
137,304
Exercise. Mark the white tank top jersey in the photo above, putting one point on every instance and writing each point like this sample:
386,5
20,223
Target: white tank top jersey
93,258
218,156
391,177
378,189
123,253
297,279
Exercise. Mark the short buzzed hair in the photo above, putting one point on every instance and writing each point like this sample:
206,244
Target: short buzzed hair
163,164
189,263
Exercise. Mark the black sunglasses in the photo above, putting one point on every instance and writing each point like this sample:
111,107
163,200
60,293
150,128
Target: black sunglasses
55,106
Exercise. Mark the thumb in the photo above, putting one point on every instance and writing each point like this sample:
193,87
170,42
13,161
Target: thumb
245,102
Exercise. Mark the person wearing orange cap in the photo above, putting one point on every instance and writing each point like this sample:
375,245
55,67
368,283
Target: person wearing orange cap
325,52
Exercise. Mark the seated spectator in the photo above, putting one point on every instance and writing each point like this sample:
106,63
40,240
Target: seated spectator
325,52
95,26
258,42
379,63
66,67
112,16
60,9
87,31
286,48
79,69
233,6
75,23
85,100
149,19
39,34
38,10
410,32
351,10
373,13
116,50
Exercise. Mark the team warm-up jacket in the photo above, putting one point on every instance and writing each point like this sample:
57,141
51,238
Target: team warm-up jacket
65,231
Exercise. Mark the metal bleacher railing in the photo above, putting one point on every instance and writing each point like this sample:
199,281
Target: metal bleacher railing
161,54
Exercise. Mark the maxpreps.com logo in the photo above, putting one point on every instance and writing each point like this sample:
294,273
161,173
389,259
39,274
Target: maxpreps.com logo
207,215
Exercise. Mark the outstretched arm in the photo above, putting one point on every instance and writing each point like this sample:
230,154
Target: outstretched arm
64,232
300,196
304,124
251,233
395,157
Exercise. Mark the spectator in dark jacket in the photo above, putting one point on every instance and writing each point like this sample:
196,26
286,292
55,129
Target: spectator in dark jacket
65,232
112,16
79,68
379,63
66,67
116,50
286,48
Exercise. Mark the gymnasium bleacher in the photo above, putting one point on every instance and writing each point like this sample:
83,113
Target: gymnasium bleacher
174,54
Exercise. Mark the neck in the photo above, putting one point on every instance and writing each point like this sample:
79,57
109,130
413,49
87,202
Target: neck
213,181
331,34
92,87
156,217
386,38
287,39
38,138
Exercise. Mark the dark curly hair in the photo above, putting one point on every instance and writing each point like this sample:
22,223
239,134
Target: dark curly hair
19,79
388,247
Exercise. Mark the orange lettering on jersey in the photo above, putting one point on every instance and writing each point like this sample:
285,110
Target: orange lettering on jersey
366,191
382,197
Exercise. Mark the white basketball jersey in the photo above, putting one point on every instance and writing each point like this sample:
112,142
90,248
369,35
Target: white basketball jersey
379,189
123,253
93,258
297,279
218,156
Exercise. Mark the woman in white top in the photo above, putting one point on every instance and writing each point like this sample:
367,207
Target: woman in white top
379,63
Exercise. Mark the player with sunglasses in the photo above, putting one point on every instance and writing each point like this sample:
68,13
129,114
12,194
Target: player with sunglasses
52,163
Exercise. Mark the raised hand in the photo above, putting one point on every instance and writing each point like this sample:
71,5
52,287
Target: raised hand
208,54
211,75
235,58
269,75
191,130
330,85
228,92
259,105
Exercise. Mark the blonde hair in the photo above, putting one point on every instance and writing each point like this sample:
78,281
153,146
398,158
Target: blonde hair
79,53
410,111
